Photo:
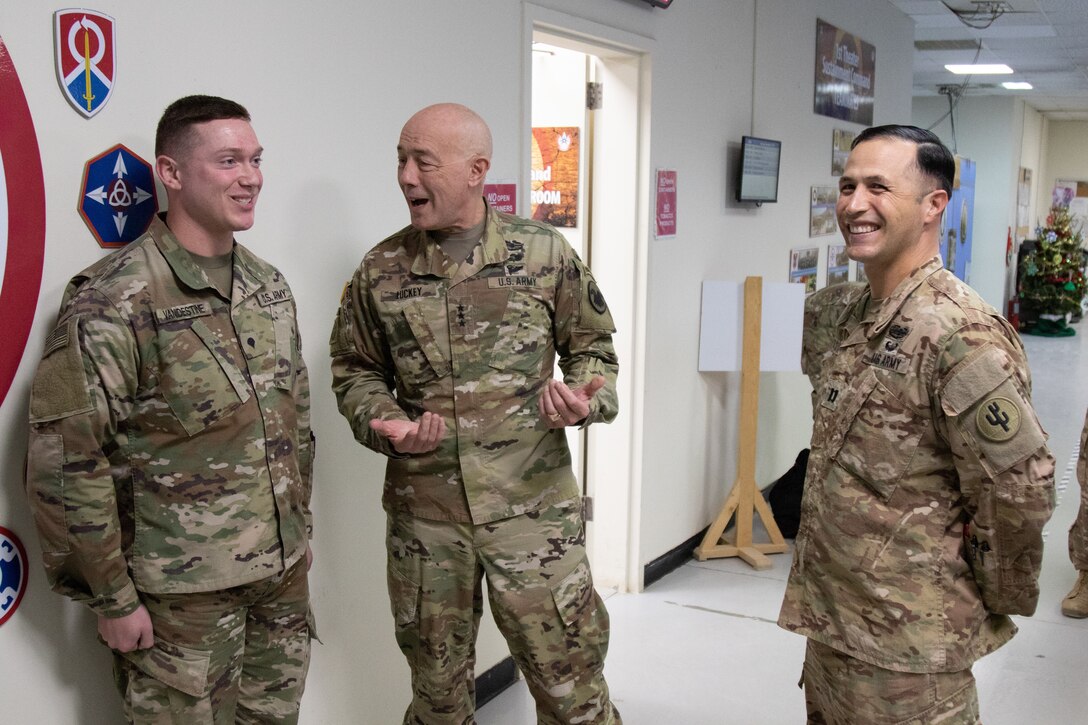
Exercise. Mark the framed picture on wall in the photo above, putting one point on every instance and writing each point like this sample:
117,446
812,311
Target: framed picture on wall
841,139
821,217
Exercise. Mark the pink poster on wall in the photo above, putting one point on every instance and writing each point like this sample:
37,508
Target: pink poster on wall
665,214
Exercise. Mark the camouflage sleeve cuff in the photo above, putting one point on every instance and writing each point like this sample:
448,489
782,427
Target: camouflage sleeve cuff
119,604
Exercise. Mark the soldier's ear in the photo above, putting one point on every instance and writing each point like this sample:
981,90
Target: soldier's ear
478,170
935,202
169,173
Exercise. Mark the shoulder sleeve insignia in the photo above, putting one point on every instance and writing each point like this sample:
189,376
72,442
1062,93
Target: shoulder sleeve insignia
596,299
998,419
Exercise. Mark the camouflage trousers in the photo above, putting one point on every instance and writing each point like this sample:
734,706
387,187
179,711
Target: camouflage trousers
1078,533
842,690
541,595
238,655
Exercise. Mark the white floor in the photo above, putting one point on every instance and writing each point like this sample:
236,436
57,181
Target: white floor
701,645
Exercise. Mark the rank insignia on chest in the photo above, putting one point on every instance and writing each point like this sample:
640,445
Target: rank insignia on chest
832,393
998,419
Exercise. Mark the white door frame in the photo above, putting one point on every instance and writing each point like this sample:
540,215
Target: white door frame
620,239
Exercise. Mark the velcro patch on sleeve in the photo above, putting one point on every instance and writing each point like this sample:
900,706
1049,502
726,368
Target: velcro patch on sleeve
60,386
973,380
1004,428
594,313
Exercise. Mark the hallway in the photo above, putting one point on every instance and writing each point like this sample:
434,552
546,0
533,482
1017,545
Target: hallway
701,646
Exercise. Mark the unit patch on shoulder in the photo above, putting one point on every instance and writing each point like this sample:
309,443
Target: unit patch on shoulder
596,299
998,419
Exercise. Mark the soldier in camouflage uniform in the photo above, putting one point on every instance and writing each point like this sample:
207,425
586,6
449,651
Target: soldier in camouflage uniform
170,450
929,480
442,357
1075,603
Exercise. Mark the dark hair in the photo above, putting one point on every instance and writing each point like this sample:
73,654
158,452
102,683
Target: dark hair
933,158
174,132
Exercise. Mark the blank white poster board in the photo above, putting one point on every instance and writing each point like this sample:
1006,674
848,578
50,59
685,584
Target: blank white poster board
720,332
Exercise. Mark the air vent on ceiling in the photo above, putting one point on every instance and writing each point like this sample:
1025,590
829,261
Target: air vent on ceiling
965,44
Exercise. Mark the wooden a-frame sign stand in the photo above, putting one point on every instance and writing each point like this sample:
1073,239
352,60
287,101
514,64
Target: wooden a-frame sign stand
745,498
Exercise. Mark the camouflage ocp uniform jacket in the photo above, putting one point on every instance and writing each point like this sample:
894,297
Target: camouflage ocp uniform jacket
928,485
170,448
474,342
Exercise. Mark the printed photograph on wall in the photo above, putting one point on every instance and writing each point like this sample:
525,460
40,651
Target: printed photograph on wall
821,216
553,194
840,149
958,221
1074,196
803,267
845,75
838,264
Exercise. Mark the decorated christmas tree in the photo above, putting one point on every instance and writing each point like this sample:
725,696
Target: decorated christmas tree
1052,284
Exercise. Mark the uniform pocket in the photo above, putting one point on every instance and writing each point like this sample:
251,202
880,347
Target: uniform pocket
45,490
404,595
181,668
199,384
881,441
573,594
419,357
287,345
524,335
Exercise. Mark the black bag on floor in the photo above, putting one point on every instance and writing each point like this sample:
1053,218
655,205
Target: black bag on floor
784,496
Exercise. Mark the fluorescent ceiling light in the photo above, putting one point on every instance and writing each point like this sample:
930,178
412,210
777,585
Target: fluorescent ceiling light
1017,85
979,69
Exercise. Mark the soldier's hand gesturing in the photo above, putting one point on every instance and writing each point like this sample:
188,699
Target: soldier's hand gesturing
409,436
563,406
127,633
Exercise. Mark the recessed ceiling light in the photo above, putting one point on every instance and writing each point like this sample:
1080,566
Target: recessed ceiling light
1017,85
979,69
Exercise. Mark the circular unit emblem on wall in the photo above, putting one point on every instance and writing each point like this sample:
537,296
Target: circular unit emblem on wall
22,221
14,572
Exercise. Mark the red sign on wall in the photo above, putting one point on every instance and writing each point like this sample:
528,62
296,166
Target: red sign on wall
502,197
665,214
22,221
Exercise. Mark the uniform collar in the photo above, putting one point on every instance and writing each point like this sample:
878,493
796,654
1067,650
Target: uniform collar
183,266
877,320
248,274
430,260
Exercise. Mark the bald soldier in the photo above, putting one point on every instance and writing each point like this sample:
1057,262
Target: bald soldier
929,480
443,355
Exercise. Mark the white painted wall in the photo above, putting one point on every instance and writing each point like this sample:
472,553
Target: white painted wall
726,70
330,86
1066,157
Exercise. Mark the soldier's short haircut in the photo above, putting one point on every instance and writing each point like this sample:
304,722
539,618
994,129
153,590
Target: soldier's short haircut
933,158
174,134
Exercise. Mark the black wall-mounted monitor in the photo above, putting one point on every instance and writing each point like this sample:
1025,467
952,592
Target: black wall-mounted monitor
760,159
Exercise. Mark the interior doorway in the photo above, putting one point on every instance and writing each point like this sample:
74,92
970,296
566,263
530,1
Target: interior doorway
609,230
